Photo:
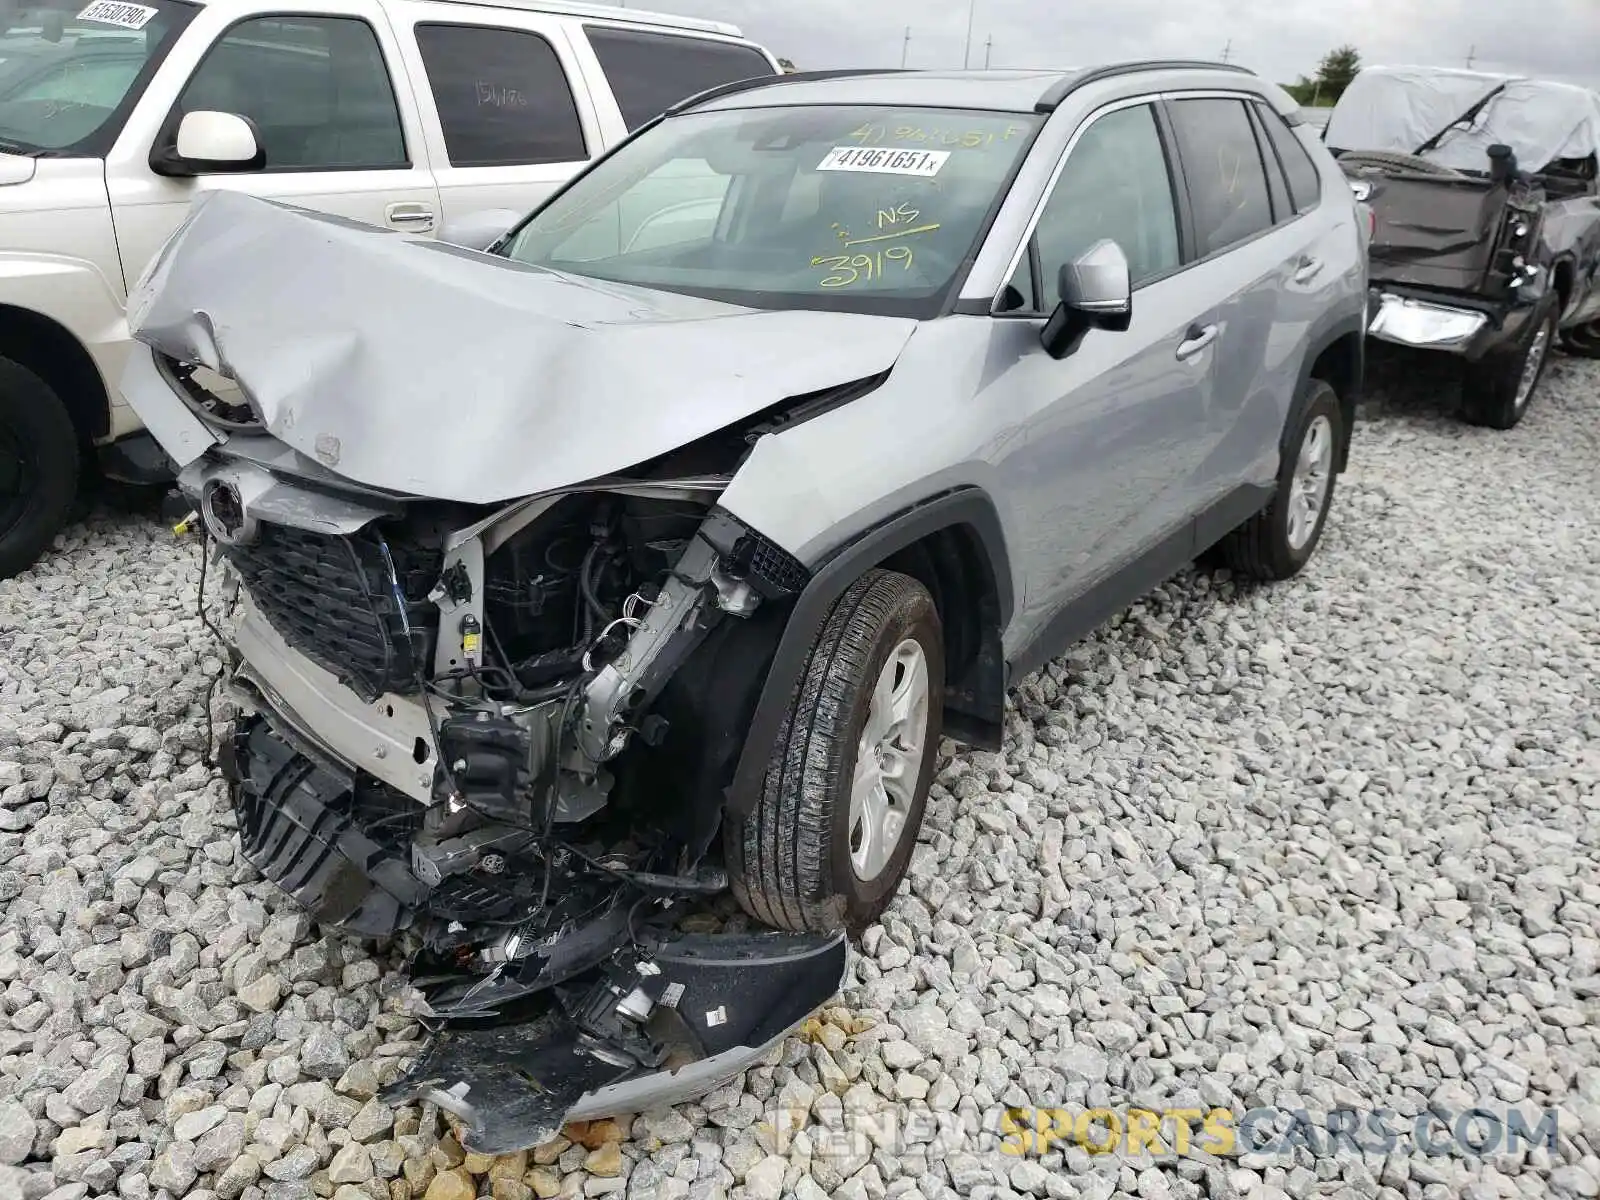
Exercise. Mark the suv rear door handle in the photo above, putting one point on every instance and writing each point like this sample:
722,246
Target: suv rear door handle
1195,340
419,216
1307,269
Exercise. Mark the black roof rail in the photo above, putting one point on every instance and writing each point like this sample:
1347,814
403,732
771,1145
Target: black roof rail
1062,88
756,81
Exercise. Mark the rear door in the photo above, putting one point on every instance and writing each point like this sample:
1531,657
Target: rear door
1255,278
323,86
501,92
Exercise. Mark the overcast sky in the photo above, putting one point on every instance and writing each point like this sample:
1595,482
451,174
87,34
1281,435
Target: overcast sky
1282,39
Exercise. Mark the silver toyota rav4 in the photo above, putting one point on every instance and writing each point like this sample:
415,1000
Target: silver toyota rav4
649,551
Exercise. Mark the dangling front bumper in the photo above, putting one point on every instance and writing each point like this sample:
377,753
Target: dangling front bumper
717,1003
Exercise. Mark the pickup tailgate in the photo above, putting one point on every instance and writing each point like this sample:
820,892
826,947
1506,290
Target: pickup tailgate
1433,232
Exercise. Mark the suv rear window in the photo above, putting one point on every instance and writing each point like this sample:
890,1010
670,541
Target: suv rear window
1222,166
502,96
650,72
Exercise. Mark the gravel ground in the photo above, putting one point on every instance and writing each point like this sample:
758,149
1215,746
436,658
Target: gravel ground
1327,845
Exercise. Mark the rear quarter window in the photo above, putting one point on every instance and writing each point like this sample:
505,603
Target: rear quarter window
502,95
1305,181
650,72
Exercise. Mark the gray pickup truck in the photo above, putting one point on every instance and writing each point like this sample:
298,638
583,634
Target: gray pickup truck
1487,237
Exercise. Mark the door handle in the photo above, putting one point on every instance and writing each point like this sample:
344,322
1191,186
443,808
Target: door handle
418,216
1307,269
1195,340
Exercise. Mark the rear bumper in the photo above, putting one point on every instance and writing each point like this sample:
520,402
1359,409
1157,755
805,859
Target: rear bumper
1436,323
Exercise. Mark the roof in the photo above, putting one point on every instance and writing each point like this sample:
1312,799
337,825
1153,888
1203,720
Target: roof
596,12
1401,108
1016,90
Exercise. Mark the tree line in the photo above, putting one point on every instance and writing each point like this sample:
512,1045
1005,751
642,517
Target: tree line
1334,73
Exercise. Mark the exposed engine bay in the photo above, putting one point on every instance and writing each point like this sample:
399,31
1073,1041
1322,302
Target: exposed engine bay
457,731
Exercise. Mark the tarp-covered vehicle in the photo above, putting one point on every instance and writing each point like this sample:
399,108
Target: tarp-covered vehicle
1487,236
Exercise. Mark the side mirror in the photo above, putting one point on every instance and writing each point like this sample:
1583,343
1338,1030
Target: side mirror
210,143
1096,292
479,230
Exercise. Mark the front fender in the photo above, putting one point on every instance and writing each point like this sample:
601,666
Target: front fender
77,296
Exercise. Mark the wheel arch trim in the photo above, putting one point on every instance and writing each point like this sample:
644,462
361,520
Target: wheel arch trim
965,506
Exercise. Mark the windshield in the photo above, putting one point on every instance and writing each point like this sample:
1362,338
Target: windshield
70,69
863,209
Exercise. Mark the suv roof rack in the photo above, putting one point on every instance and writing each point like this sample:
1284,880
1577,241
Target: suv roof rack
639,16
756,81
1062,88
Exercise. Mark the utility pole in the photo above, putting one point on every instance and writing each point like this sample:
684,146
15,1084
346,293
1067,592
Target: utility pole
905,48
966,56
987,48
1472,54
1227,51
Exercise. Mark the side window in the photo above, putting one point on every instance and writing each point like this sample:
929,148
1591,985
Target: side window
1116,185
1305,181
1222,167
502,95
650,72
316,89
1277,186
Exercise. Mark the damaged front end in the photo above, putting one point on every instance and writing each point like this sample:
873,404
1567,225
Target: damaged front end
498,731
455,734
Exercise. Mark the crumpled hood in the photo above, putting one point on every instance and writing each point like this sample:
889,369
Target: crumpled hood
418,367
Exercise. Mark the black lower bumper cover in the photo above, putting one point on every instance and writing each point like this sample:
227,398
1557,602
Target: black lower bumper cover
716,1001
296,834
723,1000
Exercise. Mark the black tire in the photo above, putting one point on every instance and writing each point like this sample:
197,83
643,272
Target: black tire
1403,162
1582,341
1491,390
1261,548
789,861
39,466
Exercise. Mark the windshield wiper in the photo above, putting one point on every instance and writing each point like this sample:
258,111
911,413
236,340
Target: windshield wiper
1465,118
7,146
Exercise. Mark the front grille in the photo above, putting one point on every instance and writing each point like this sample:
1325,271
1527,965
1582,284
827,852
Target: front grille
330,598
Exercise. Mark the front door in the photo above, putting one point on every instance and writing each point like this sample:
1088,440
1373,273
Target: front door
331,107
1106,439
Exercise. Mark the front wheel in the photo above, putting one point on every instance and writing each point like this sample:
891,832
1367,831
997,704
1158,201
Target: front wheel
1276,542
38,467
832,832
1495,392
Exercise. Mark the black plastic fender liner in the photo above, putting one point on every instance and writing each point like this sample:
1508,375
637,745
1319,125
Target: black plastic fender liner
968,506
721,1000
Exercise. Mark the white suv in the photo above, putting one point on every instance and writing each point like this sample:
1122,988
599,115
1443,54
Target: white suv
442,116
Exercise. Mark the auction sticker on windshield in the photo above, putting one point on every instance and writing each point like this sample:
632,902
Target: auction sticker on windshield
881,161
113,12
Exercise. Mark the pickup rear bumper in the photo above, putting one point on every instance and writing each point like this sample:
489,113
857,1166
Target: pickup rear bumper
1467,329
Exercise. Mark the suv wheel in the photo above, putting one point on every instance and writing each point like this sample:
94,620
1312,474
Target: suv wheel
833,829
1495,393
38,466
1278,541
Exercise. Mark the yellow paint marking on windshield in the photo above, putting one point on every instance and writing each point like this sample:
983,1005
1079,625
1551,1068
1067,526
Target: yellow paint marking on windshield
897,215
852,268
891,236
971,139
